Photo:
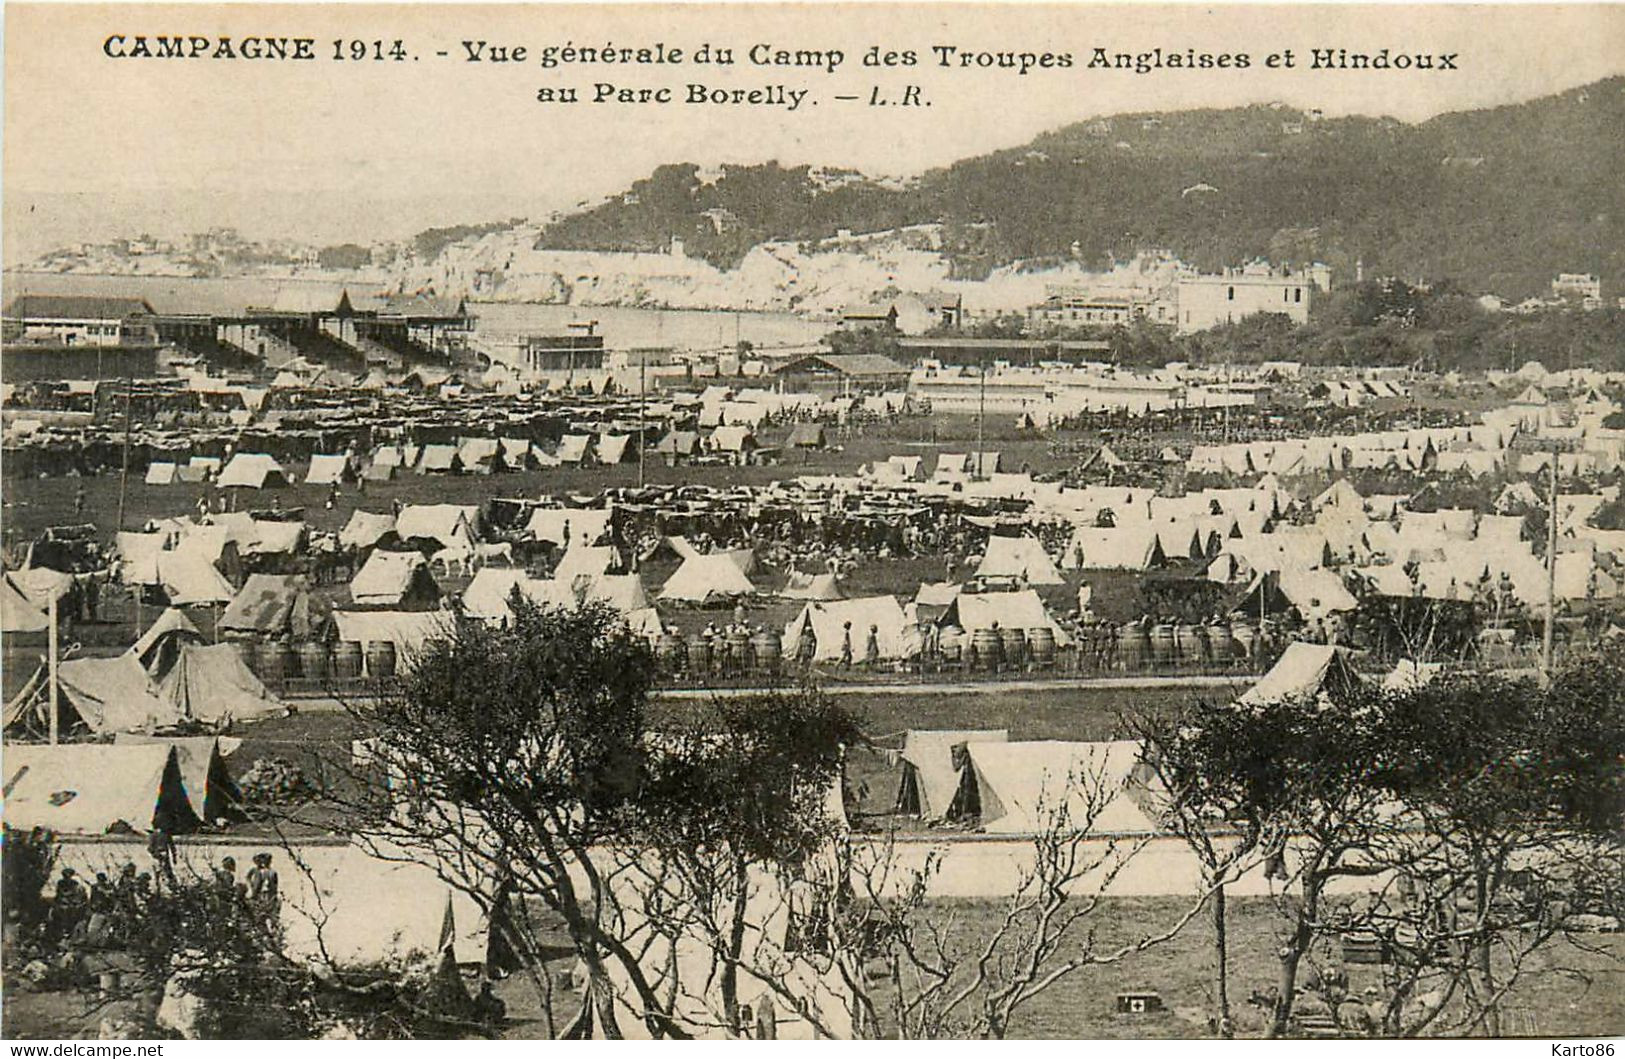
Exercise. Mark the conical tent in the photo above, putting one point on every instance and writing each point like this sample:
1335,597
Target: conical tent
704,578
1020,558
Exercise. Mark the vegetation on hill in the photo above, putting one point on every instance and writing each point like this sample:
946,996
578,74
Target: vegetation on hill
1501,199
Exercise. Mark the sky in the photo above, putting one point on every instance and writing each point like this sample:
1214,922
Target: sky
329,150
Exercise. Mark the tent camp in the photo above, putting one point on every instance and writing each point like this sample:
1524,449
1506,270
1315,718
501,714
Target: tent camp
1026,788
933,762
972,611
1019,559
253,470
894,636
329,469
707,579
90,789
394,579
1305,672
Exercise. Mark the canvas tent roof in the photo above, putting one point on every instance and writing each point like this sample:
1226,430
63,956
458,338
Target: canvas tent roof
113,694
624,592
17,614
328,469
1130,547
573,448
253,470
439,458
1021,558
272,604
1024,788
388,578
1303,673
894,635
171,623
87,789
162,472
702,578
931,773
811,586
204,778
590,560
1008,610
191,580
586,525
211,683
449,525
366,528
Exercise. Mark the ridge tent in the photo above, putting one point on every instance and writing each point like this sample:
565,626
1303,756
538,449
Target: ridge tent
17,613
585,560
408,630
205,779
391,579
157,648
253,470
103,694
1131,547
707,578
448,525
573,448
1030,787
365,529
91,789
212,684
894,635
1019,558
822,587
162,473
517,453
1023,610
439,459
615,448
329,469
480,456
624,592
932,764
1304,672
275,605
569,526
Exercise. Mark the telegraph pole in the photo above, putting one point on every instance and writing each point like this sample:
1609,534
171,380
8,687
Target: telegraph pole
124,470
981,416
643,398
52,652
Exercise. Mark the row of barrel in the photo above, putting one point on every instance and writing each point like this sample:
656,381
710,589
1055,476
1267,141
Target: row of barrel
736,652
275,661
1137,647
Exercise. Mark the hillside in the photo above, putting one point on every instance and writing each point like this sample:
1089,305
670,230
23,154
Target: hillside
1498,199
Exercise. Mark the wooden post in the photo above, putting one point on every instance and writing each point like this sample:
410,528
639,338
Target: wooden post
52,657
1551,577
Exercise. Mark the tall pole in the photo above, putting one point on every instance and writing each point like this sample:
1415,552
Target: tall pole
124,470
981,416
643,397
1551,576
52,650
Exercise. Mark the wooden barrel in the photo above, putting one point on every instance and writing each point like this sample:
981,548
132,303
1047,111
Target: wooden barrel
1190,645
1221,646
951,643
738,650
768,648
1041,641
315,660
1133,646
1246,639
1014,642
699,654
347,660
989,648
276,662
1162,644
381,659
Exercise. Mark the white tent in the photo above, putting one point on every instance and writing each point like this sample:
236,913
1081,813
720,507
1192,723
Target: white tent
211,683
1131,547
408,630
932,769
449,525
253,470
162,473
1023,610
17,613
894,635
88,789
1304,673
366,528
1028,788
388,578
582,559
811,586
1019,558
704,578
328,469
569,526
